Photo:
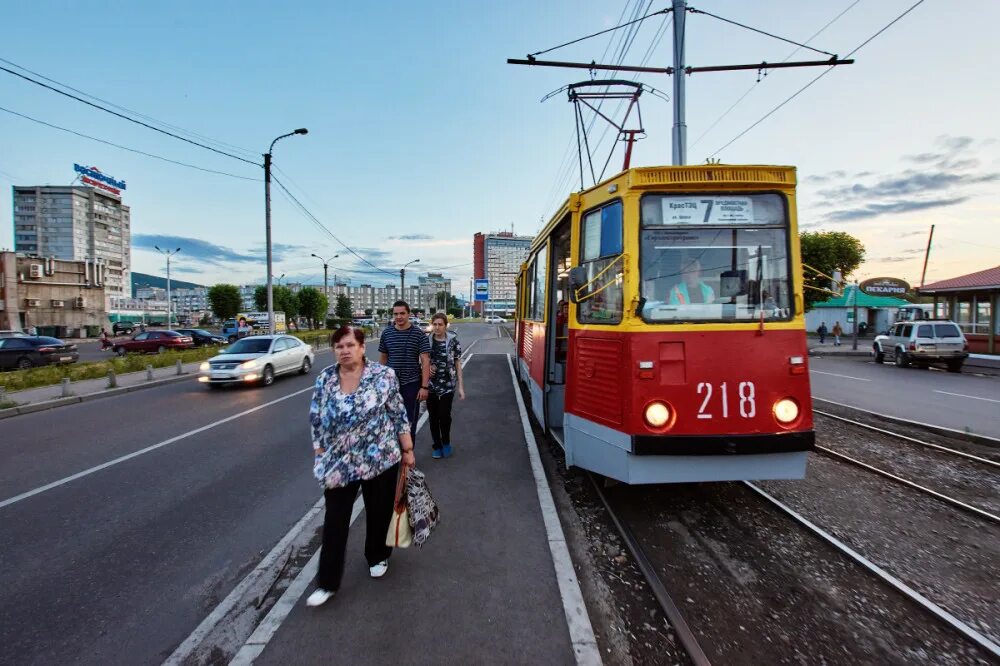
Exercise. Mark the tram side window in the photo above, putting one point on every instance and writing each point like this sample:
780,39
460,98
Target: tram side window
538,302
601,299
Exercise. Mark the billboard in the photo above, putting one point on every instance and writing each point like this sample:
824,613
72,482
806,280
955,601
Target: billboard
884,286
481,290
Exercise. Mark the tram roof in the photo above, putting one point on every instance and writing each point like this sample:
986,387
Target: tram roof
697,176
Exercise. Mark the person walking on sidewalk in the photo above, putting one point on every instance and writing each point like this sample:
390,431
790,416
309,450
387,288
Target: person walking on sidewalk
446,378
822,332
360,433
837,332
405,349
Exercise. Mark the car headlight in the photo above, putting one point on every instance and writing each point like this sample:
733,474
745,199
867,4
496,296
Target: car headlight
249,365
786,410
205,367
657,414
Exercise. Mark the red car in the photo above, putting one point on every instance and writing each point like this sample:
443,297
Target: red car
153,341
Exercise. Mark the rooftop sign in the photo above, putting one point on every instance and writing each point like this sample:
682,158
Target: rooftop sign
884,286
93,176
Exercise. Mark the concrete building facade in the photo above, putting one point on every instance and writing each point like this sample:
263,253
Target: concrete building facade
498,257
59,298
76,223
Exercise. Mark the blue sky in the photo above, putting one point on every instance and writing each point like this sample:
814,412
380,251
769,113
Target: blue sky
420,134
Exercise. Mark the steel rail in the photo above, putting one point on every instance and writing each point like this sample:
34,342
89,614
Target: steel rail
897,435
670,609
944,498
928,605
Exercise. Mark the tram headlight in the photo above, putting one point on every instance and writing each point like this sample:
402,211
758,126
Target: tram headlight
657,414
786,410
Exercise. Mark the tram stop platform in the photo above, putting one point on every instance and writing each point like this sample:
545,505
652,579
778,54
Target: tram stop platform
484,588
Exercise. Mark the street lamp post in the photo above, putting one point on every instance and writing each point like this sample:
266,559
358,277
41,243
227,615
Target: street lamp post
402,279
326,264
168,254
267,224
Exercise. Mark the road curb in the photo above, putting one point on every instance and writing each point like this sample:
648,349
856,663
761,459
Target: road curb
984,440
31,408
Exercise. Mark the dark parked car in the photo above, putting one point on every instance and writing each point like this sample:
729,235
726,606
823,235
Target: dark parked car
125,327
201,337
153,341
29,351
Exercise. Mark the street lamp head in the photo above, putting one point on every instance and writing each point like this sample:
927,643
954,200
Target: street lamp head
158,248
177,250
315,255
302,130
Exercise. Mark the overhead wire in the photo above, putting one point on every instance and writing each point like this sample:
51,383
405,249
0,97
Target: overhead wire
808,85
762,32
602,32
127,110
754,85
125,117
301,207
121,147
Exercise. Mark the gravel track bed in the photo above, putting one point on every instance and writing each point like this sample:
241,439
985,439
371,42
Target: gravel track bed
916,432
965,480
949,556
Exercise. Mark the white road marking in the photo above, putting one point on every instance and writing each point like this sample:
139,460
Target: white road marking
834,374
581,632
962,395
136,454
263,634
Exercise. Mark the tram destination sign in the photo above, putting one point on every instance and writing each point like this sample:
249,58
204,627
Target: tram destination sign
707,210
884,286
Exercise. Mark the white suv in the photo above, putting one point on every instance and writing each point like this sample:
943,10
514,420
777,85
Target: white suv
921,343
493,319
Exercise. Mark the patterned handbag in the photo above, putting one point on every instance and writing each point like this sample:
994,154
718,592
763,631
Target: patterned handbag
400,535
423,509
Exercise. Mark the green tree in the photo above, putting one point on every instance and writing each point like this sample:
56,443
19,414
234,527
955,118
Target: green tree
225,301
313,305
344,310
285,300
827,252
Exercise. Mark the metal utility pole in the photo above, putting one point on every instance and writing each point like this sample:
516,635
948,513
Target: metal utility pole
680,126
927,256
680,10
168,254
267,224
402,280
854,346
326,265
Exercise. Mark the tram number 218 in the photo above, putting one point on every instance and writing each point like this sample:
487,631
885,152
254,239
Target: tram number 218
745,398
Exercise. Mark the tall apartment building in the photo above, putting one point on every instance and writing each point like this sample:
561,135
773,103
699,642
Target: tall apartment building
77,223
498,257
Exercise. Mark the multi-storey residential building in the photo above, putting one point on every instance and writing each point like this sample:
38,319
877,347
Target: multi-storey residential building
431,285
498,257
77,223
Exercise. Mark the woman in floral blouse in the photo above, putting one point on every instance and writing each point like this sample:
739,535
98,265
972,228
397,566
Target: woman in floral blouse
360,432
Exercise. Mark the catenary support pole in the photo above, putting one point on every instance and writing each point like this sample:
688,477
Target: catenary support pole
680,125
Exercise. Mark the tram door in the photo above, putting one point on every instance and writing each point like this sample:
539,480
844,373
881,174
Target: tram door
557,333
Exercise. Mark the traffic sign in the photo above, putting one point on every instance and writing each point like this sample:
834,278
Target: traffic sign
482,290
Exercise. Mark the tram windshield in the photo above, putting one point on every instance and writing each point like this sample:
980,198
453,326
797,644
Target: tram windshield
714,258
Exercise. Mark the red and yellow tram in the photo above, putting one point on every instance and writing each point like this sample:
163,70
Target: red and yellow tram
660,326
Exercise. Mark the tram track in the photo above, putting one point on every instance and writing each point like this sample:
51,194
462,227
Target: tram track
935,610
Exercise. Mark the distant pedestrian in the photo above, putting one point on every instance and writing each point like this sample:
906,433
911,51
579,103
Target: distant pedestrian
837,332
360,434
405,349
446,379
822,332
105,340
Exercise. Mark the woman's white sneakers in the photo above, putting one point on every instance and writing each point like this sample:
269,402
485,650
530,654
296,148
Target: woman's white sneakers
319,597
379,569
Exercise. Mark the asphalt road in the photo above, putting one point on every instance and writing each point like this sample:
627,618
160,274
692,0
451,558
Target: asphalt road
960,401
120,564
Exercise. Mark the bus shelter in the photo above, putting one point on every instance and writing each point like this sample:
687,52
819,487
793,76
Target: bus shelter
970,301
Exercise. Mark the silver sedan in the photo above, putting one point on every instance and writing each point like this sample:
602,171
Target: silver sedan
257,359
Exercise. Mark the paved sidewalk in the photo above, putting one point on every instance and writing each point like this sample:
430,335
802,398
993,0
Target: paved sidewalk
482,591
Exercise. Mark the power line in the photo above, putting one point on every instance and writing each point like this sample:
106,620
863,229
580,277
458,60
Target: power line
725,20
131,150
757,82
806,86
124,117
602,32
127,110
321,226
